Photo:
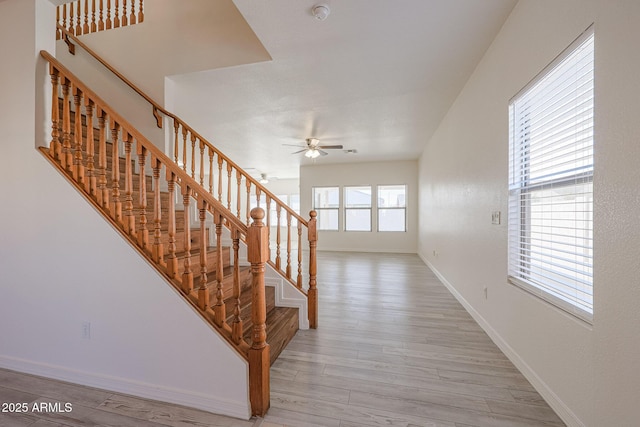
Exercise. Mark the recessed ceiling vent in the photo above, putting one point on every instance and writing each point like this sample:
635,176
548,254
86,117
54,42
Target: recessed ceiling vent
321,11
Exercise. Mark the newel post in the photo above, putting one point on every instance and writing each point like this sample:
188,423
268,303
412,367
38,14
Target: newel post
313,290
258,254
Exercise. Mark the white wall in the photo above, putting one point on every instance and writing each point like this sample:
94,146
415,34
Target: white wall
374,173
589,374
63,265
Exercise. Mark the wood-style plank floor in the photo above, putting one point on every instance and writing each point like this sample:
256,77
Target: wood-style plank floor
393,348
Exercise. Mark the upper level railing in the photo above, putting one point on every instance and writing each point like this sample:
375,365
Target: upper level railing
89,16
237,191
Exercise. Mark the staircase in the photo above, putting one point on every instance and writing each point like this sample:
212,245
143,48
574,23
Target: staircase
196,218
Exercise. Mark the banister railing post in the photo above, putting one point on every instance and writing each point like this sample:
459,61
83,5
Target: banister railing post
313,290
259,352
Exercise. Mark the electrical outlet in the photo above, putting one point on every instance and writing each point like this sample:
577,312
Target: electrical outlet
86,330
495,218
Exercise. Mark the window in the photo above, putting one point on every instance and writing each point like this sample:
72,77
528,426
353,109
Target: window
357,208
551,182
326,201
392,207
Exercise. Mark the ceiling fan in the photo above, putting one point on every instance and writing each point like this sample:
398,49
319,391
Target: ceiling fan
313,148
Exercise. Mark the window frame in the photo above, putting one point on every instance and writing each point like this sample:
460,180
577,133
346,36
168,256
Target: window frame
319,209
378,208
347,209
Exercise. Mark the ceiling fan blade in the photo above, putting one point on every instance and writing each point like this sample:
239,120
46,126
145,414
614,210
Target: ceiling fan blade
298,152
330,147
294,145
324,153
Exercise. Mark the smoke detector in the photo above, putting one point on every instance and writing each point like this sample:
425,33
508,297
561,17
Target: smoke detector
320,11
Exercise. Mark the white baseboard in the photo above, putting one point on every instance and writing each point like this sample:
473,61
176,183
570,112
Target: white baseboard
161,393
547,394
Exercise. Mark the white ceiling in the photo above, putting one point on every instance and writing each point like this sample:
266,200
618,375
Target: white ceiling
376,76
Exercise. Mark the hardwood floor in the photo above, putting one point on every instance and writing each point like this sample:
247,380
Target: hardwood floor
393,348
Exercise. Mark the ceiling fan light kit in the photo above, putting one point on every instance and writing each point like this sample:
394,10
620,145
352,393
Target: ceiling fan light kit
312,153
263,179
321,11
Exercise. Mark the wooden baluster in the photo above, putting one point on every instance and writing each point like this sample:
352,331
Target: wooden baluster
67,156
172,260
248,185
101,17
85,27
229,169
125,21
288,270
312,292
268,202
219,308
54,146
103,191
129,215
299,278
64,18
176,140
72,15
202,163
220,160
143,231
193,156
203,291
116,17
109,20
187,274
78,19
157,250
258,195
91,180
94,27
239,199
184,148
132,17
278,209
211,170
141,12
116,211
259,351
78,167
58,32
236,327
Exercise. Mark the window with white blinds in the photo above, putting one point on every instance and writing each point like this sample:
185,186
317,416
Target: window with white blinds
551,182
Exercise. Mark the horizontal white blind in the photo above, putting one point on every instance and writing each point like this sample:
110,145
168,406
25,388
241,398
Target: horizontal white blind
551,182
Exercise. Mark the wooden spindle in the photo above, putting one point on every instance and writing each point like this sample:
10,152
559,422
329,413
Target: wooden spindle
78,19
176,140
268,203
172,260
65,25
72,15
91,179
129,215
236,326
132,17
103,191
58,32
203,291
157,250
239,199
248,185
143,231
187,274
116,210
259,352
54,147
67,156
312,292
101,16
299,278
288,270
278,210
85,27
109,20
258,195
78,167
141,12
94,27
124,21
116,15
220,160
202,163
219,308
184,148
193,156
211,170
229,169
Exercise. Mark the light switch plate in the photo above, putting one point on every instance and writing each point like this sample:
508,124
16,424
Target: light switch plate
495,217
